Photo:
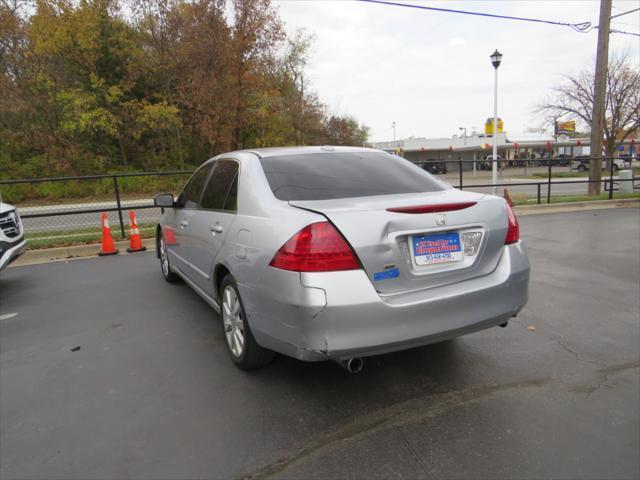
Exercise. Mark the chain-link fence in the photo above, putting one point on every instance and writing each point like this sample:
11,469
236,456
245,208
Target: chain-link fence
66,211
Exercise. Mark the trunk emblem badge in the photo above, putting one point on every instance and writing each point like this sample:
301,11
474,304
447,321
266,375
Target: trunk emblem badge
441,219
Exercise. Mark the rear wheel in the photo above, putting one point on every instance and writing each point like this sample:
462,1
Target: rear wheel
582,168
244,350
168,275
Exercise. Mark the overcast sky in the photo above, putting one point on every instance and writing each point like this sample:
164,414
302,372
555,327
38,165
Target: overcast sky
430,72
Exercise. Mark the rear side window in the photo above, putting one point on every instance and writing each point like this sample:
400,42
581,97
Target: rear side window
190,196
324,176
232,199
221,191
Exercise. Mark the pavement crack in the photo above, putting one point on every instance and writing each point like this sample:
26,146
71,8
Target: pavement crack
352,430
557,340
414,411
416,456
604,374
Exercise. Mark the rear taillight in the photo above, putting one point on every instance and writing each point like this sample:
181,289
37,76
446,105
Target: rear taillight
318,247
513,231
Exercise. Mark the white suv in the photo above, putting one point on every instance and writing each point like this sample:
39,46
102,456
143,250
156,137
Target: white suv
12,242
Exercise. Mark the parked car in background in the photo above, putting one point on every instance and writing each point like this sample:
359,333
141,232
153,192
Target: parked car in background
626,158
338,253
435,167
582,164
12,242
487,163
563,160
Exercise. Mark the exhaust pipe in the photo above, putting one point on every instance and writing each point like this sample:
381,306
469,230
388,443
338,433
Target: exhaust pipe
352,365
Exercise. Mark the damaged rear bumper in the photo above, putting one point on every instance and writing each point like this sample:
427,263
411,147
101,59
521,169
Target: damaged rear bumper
338,315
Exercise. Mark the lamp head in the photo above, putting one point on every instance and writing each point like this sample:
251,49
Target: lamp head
496,58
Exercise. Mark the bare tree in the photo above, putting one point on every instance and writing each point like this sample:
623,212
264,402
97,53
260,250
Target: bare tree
573,99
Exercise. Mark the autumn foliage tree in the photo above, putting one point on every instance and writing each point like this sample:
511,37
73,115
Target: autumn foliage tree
92,86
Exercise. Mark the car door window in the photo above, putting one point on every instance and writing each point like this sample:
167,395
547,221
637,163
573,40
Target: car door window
221,186
190,196
231,203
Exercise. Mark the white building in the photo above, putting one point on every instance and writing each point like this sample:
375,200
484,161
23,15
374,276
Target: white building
479,146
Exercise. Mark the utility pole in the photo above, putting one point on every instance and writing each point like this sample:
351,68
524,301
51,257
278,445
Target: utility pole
600,90
394,131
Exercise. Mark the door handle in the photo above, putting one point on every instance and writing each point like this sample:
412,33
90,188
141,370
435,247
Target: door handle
184,224
217,229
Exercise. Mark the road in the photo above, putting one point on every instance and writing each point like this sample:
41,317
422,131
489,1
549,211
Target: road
107,371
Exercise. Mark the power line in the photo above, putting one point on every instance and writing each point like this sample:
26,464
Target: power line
582,27
624,13
623,32
635,25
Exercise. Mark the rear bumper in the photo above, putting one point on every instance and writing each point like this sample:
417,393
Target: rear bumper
10,251
338,315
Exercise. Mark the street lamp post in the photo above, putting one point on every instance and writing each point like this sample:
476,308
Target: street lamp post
464,129
496,58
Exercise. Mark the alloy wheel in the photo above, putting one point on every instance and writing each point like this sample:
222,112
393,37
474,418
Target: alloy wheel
164,260
232,321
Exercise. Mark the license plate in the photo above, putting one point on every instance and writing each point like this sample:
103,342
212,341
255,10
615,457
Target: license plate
437,248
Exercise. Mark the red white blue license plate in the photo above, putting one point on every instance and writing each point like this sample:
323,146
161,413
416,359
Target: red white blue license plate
437,248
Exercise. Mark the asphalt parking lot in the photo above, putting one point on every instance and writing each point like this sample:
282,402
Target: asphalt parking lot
150,393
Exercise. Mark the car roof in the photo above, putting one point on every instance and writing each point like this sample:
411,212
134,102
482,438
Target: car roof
283,151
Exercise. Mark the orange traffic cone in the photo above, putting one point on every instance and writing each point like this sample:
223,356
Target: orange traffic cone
108,247
135,242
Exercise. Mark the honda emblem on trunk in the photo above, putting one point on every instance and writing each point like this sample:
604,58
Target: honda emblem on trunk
441,219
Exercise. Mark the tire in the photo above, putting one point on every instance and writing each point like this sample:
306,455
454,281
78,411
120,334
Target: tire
615,167
165,266
243,349
582,168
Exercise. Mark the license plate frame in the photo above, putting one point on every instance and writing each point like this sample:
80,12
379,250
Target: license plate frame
436,248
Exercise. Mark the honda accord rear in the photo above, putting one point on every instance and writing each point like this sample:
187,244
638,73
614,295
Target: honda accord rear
341,253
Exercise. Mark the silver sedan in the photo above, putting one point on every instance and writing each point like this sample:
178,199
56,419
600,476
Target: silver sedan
339,253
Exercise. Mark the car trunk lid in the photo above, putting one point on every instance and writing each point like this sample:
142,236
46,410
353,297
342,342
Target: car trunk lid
399,238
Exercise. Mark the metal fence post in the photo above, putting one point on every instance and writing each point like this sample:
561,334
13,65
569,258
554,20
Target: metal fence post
611,180
460,170
549,184
117,190
538,193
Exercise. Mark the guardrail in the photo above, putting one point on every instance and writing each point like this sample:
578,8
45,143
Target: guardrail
47,220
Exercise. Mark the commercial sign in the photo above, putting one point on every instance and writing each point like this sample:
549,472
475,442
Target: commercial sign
565,127
488,126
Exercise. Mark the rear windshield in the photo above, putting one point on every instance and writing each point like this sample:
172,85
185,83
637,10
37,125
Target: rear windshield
325,176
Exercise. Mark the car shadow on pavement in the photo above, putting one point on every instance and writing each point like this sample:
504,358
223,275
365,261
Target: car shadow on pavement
9,285
384,379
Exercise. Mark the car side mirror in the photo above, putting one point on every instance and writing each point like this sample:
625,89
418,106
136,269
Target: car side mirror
164,200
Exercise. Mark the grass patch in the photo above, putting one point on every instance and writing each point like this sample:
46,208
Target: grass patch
576,198
572,174
563,174
90,190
